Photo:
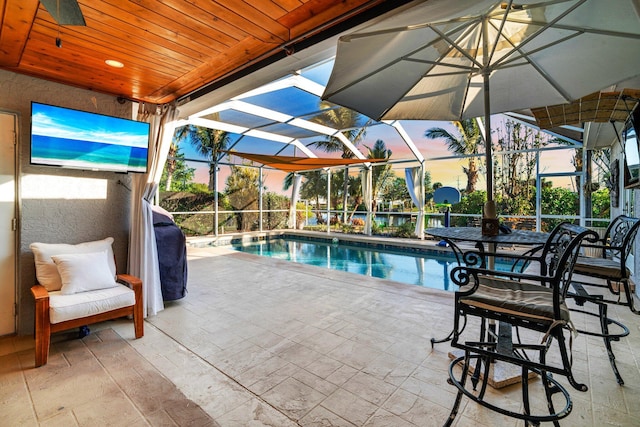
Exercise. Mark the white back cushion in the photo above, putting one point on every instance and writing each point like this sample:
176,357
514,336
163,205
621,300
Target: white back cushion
46,270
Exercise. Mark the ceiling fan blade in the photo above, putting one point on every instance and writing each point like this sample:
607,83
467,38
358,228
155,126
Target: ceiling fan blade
65,12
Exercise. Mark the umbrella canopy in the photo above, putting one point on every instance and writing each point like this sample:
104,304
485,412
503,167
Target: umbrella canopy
443,60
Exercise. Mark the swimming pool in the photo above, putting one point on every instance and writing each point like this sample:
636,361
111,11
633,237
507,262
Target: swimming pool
429,268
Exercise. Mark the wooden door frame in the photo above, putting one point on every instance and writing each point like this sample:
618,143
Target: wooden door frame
17,213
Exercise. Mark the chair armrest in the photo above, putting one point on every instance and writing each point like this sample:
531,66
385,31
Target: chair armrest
462,275
39,292
129,281
606,249
604,246
519,261
135,284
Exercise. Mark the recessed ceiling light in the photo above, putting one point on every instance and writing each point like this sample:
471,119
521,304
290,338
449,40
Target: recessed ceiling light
113,63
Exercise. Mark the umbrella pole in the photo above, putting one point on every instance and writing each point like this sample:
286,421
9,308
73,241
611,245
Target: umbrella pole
487,134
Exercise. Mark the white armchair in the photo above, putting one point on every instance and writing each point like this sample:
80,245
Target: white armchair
78,286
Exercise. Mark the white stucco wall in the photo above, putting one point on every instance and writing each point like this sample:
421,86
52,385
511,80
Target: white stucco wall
62,205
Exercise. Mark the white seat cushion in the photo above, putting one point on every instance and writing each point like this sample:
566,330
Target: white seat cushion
83,304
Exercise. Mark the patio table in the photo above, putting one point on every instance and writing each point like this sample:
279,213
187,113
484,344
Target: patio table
474,234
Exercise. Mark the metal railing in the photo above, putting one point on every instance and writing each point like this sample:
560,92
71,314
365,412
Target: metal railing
202,223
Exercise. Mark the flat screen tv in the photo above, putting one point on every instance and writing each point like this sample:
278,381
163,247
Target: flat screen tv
80,140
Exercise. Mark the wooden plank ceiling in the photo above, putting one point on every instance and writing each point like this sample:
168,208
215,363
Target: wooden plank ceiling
169,48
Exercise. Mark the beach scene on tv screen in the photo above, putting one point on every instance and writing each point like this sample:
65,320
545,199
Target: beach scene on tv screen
78,139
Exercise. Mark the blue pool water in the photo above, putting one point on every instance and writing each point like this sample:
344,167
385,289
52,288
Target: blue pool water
430,269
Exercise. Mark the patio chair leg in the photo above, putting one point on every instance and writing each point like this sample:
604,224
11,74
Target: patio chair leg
445,339
525,393
463,378
629,295
549,388
487,361
566,362
451,334
604,326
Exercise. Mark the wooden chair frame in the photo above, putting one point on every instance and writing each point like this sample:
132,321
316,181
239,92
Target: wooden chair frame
44,328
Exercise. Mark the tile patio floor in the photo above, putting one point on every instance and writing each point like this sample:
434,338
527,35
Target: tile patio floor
264,342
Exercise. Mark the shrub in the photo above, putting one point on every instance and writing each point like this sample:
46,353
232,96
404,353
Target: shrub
405,230
347,228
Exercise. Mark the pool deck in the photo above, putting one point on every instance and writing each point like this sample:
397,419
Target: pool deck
267,342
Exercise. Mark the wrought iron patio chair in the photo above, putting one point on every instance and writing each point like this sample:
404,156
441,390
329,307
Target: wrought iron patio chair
530,303
615,247
612,279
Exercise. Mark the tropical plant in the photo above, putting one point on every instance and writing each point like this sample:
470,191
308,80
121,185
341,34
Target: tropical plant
287,182
380,174
467,140
406,229
276,211
176,176
515,176
313,186
242,191
429,187
208,142
340,118
601,200
471,203
355,191
169,167
397,191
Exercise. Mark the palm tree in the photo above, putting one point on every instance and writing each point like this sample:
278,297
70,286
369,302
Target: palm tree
340,118
355,191
380,175
467,141
172,164
242,190
288,181
314,185
208,142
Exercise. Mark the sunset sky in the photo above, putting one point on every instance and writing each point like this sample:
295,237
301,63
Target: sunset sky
447,172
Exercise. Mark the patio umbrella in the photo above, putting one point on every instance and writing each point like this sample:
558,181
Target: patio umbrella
444,60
